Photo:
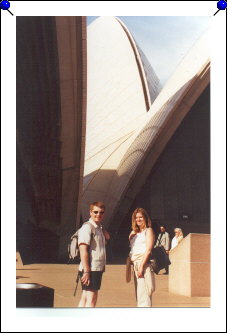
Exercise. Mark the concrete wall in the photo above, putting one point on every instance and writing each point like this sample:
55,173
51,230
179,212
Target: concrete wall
189,272
51,108
71,42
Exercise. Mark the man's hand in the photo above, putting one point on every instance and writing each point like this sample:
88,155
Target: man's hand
86,278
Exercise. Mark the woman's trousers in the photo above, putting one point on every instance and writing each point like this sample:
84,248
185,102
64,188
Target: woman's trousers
144,286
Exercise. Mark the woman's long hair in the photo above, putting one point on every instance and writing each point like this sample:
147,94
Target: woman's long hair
145,216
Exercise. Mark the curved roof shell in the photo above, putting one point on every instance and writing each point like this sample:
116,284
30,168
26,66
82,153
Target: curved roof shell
121,134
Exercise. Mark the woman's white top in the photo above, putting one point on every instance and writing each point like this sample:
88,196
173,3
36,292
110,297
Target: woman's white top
138,244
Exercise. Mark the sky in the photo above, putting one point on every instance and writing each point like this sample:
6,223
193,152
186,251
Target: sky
165,40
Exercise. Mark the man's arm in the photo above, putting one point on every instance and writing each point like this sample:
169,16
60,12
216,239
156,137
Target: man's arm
84,256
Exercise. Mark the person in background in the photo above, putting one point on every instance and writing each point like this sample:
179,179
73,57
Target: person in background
142,241
177,238
163,240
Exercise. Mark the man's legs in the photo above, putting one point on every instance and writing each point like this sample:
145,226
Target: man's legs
88,299
82,300
91,298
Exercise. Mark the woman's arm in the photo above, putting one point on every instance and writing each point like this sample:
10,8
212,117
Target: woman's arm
149,245
106,234
132,234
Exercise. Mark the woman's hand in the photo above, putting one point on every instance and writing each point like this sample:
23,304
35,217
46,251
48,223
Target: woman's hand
140,272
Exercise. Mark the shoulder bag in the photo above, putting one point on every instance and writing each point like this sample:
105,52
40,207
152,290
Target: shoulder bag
159,258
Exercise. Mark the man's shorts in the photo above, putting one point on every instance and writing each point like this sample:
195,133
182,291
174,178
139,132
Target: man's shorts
95,281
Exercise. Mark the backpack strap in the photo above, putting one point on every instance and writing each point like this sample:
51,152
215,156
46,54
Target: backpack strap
159,240
92,229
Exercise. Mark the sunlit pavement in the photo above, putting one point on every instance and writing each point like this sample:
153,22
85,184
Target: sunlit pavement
115,291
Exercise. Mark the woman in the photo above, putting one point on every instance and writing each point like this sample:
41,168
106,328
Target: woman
141,241
178,237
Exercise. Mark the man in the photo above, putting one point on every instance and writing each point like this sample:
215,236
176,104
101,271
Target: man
91,242
163,240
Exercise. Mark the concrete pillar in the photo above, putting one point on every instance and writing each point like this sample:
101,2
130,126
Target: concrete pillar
189,273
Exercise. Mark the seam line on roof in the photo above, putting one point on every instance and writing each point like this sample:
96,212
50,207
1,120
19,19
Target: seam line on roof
139,65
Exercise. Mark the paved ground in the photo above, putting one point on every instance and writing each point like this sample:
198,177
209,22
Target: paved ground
115,292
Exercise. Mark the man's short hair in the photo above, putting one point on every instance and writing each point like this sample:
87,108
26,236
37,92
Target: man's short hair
97,204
